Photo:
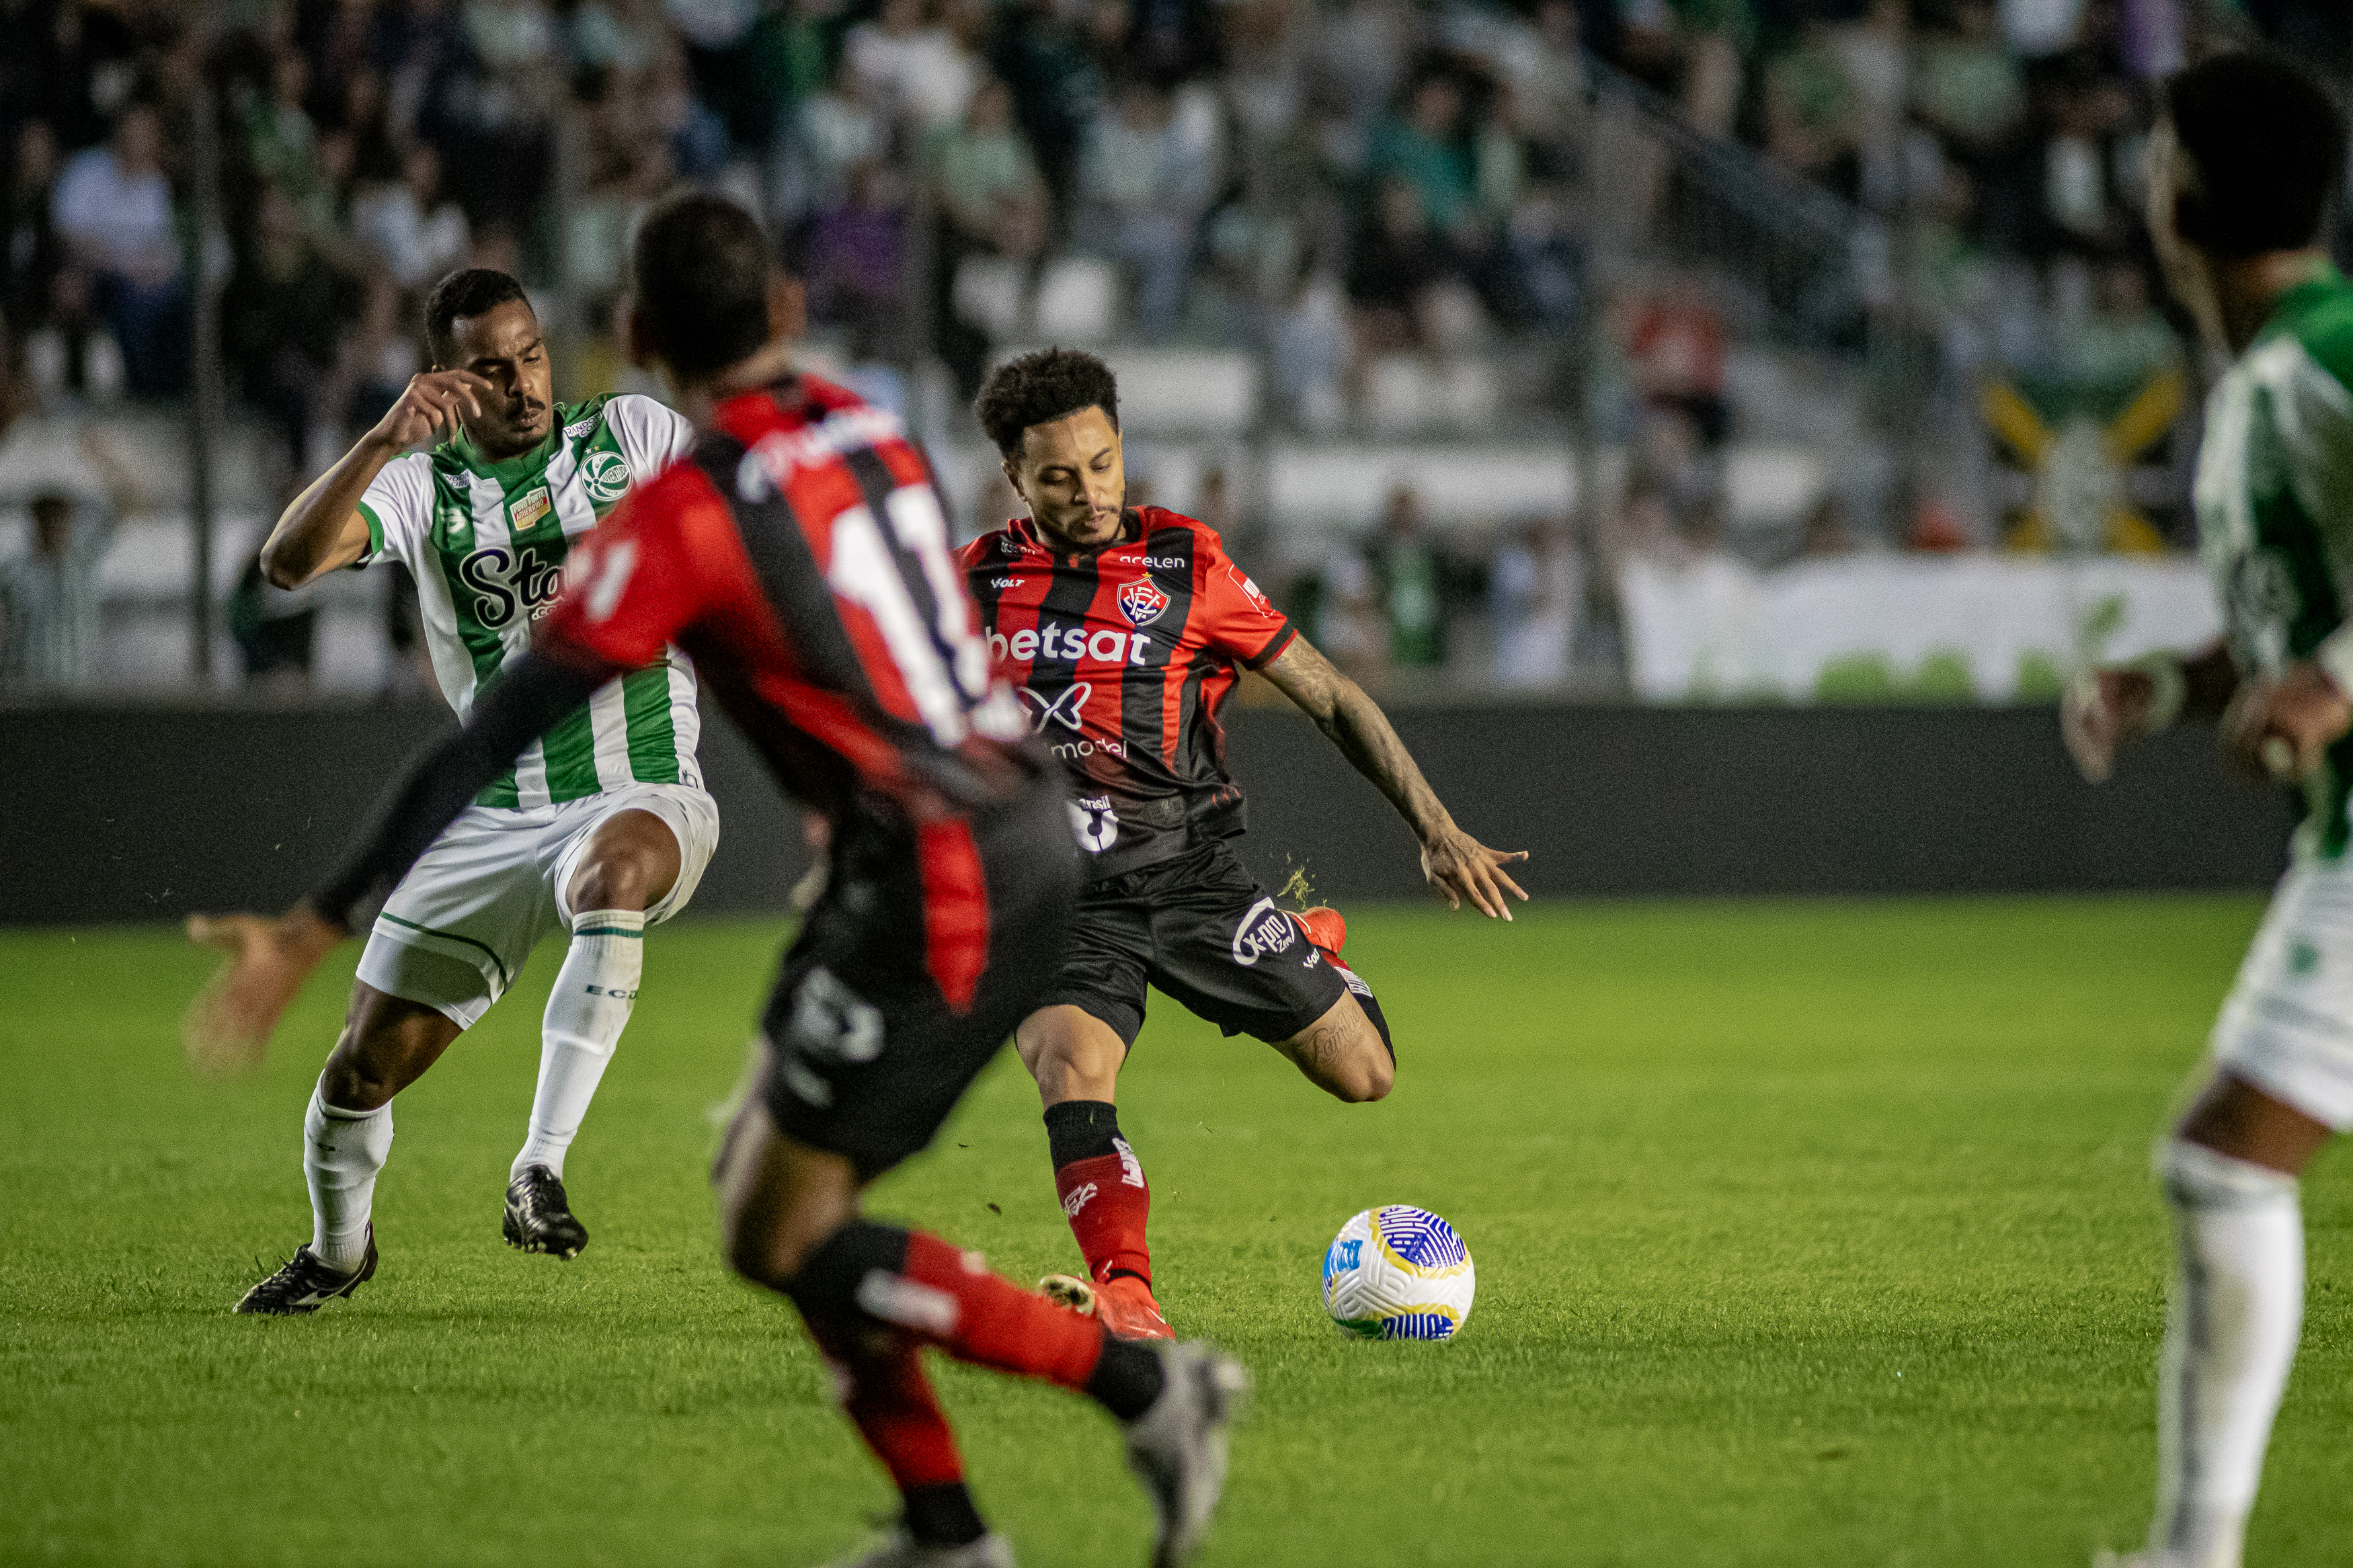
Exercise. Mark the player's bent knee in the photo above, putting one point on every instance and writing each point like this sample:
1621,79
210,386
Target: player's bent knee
1368,1078
630,865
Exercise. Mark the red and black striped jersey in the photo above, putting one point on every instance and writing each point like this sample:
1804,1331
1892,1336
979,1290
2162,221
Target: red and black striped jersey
800,559
1121,657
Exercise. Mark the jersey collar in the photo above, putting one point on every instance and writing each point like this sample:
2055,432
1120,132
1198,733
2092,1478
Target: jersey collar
462,451
1131,531
2294,302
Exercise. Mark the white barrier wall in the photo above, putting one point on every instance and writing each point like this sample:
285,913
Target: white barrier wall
1996,628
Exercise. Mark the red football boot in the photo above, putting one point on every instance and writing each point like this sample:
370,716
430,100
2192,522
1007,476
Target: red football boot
1325,929
1122,1304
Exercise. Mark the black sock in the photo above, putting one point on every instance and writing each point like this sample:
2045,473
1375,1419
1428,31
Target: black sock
1081,1130
943,1515
827,1285
1127,1379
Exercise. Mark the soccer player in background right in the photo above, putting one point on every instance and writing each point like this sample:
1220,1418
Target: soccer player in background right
2248,152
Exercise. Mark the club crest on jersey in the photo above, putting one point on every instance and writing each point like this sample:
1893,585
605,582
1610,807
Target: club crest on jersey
1262,931
1141,602
1092,819
605,475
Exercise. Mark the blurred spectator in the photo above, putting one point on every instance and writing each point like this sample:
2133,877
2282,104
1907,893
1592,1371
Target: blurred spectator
409,226
1533,588
994,203
839,129
1395,271
1965,86
1692,49
113,209
2084,205
1414,580
48,596
1812,113
1170,41
276,631
30,253
918,69
1423,145
78,65
1676,343
1056,89
1146,182
283,318
857,264
1311,350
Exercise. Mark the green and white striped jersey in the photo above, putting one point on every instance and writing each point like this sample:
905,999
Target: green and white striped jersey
486,542
2275,497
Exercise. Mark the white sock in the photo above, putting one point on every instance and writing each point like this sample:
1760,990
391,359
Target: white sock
341,1153
2232,1320
595,991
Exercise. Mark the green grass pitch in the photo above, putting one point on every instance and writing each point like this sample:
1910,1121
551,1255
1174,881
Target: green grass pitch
1808,1233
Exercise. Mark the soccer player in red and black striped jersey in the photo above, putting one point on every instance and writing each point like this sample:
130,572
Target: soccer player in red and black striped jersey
799,557
1125,628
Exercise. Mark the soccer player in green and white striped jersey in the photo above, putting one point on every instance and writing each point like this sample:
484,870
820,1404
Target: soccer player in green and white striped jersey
603,827
2246,157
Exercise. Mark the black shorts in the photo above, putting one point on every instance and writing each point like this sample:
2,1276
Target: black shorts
1201,928
867,1052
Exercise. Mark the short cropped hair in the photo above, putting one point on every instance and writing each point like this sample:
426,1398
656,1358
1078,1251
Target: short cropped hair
699,279
1040,388
468,291
2267,142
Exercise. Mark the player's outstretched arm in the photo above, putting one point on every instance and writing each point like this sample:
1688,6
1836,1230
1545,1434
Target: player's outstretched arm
1456,864
322,529
227,1027
2105,708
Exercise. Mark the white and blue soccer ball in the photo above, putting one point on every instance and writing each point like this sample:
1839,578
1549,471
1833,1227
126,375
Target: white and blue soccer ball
1398,1273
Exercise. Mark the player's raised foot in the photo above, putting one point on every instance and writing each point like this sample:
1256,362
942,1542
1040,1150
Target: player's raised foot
305,1284
1178,1447
898,1549
539,1215
1124,1304
1325,928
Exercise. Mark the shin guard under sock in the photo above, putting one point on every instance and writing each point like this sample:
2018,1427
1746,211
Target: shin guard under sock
2232,1322
890,1400
586,1011
1102,1185
341,1153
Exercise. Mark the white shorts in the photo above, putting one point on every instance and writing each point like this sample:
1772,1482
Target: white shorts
459,927
2287,1027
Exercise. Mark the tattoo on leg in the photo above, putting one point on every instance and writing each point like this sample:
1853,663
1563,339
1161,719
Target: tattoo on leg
1319,1050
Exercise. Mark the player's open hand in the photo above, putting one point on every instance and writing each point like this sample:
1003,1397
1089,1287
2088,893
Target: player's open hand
1459,866
430,408
2280,726
227,1028
2102,709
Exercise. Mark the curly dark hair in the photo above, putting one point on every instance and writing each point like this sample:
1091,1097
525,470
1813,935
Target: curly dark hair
1040,388
468,291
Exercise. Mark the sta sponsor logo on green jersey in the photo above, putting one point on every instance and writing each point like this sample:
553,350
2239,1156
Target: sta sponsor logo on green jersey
506,582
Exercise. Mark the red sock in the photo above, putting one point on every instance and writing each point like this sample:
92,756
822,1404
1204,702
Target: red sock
1108,1204
992,1322
890,1401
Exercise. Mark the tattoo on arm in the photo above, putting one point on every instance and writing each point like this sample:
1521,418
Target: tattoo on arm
1355,724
